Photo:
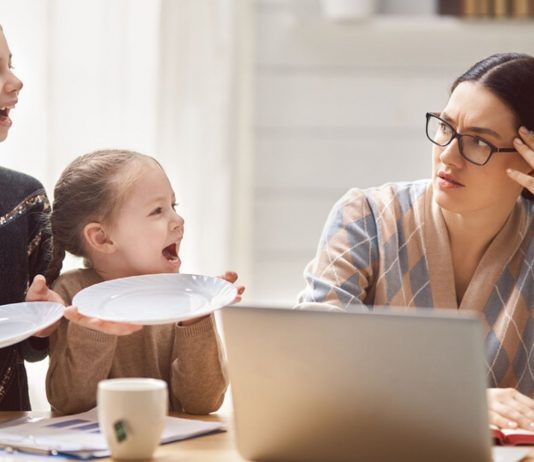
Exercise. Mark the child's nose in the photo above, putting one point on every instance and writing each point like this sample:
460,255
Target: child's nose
177,222
14,84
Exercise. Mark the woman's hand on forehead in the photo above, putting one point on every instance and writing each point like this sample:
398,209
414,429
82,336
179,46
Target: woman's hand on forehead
524,143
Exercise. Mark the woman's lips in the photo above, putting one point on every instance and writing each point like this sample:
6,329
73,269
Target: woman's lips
447,181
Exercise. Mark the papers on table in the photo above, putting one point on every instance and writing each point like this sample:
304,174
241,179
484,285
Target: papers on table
79,436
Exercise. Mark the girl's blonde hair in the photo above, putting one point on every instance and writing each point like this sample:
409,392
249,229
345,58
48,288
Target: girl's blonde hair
90,189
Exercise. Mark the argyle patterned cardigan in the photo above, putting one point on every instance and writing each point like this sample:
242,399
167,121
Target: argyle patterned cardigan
390,246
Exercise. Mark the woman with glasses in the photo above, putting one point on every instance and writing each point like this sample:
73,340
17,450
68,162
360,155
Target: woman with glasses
464,239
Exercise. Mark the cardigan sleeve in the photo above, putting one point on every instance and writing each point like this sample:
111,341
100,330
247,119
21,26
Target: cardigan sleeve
345,265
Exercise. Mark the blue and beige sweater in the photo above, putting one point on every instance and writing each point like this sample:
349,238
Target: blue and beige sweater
390,246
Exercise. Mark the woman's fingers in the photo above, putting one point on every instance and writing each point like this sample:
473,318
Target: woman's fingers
512,415
524,144
39,292
500,421
522,178
510,409
526,402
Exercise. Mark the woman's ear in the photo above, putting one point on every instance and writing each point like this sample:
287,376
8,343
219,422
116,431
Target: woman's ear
97,239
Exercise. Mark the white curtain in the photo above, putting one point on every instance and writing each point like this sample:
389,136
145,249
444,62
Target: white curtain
196,119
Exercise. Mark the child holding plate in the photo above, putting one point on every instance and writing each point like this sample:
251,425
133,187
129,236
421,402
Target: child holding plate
116,209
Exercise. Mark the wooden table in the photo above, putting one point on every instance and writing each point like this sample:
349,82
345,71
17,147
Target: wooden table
216,447
220,447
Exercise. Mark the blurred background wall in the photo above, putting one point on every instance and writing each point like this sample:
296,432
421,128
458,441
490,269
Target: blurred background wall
263,112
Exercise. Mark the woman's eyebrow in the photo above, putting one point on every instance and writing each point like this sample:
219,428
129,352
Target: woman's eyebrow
481,130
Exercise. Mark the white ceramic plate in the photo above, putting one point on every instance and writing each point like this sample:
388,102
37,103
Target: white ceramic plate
155,298
19,321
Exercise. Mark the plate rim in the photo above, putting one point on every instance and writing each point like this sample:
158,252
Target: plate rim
28,333
148,322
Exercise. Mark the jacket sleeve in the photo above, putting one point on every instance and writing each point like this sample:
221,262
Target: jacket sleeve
38,251
40,239
343,270
198,379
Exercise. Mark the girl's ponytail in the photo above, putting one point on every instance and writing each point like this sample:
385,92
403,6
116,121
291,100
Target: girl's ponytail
56,263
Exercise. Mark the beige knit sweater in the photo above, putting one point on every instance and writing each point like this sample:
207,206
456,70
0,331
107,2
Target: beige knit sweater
188,358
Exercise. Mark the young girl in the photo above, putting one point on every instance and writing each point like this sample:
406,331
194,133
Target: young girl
117,210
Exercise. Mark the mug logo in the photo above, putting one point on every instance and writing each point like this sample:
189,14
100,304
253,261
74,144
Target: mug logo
119,428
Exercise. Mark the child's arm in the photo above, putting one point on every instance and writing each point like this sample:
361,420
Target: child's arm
79,359
198,380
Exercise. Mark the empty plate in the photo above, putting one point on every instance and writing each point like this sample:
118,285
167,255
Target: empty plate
155,298
18,321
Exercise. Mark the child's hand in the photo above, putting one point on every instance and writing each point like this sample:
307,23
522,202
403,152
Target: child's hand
107,327
39,292
231,277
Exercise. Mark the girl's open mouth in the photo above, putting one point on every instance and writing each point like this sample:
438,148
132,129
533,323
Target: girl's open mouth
4,114
171,252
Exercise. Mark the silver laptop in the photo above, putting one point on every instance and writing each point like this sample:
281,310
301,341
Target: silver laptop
374,386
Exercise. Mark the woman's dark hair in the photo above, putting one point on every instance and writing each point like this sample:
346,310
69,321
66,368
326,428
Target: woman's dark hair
510,77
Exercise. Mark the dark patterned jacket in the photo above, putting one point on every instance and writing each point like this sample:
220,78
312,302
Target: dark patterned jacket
24,252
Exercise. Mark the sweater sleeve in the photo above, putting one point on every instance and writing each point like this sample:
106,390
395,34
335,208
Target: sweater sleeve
39,245
198,379
345,264
79,359
38,252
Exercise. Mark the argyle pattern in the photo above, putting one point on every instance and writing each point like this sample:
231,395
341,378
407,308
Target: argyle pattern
373,252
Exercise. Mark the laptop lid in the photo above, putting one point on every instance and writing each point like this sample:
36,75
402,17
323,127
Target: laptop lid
369,386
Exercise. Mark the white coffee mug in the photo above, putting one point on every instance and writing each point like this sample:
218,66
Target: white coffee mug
131,414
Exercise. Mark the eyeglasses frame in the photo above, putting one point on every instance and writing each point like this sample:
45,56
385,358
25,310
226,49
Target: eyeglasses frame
459,136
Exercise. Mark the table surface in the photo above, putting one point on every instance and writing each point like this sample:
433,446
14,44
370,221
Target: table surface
221,447
215,447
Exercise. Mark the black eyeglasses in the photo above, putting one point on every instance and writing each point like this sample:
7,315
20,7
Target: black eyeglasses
472,148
